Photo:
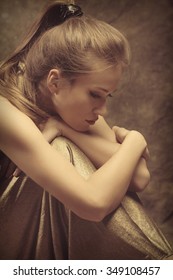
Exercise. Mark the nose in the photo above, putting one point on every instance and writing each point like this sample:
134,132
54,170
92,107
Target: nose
101,110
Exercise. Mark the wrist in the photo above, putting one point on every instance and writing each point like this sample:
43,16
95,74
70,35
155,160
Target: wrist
135,142
138,139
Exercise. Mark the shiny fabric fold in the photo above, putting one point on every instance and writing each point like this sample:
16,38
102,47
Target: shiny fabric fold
35,225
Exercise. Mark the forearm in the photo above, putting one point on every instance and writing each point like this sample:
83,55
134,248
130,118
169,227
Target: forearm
99,150
117,172
99,144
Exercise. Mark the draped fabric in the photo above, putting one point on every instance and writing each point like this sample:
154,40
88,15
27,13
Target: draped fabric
35,225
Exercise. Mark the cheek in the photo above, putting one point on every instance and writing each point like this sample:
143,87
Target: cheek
73,112
80,106
76,106
77,114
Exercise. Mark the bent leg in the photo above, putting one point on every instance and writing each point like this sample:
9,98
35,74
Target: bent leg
34,225
126,233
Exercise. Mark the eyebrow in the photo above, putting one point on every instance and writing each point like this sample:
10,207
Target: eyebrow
102,89
106,91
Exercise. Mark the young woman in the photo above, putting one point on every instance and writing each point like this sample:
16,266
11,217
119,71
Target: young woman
57,83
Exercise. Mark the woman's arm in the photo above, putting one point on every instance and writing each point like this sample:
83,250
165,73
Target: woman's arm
141,176
100,143
90,199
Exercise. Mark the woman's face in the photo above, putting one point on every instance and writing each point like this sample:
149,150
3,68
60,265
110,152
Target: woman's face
79,104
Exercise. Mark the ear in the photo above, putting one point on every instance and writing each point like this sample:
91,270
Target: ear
53,80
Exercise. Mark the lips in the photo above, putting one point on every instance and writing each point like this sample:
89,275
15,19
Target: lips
91,122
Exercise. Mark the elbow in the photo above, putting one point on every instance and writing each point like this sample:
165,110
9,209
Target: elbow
141,177
100,215
97,216
143,181
95,212
104,211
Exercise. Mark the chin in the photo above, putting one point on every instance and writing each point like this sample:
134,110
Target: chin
82,128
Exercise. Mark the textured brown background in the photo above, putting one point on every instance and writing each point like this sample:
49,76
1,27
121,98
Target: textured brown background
145,98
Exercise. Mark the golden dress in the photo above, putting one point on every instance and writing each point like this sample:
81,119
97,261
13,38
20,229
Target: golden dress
35,225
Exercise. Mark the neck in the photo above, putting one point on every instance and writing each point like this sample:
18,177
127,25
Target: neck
44,101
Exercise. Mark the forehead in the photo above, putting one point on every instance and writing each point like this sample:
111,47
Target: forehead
104,78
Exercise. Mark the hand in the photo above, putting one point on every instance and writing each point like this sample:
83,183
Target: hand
121,133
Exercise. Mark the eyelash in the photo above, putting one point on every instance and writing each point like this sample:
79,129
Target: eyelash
95,95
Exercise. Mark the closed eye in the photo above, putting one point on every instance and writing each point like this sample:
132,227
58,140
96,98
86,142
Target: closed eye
95,95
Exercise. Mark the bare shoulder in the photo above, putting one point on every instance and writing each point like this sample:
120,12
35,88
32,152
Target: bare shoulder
102,129
21,140
7,110
10,116
16,128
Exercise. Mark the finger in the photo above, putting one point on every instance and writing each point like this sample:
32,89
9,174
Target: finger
121,134
120,130
115,128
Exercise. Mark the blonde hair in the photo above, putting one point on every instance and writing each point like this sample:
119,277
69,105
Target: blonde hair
71,47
